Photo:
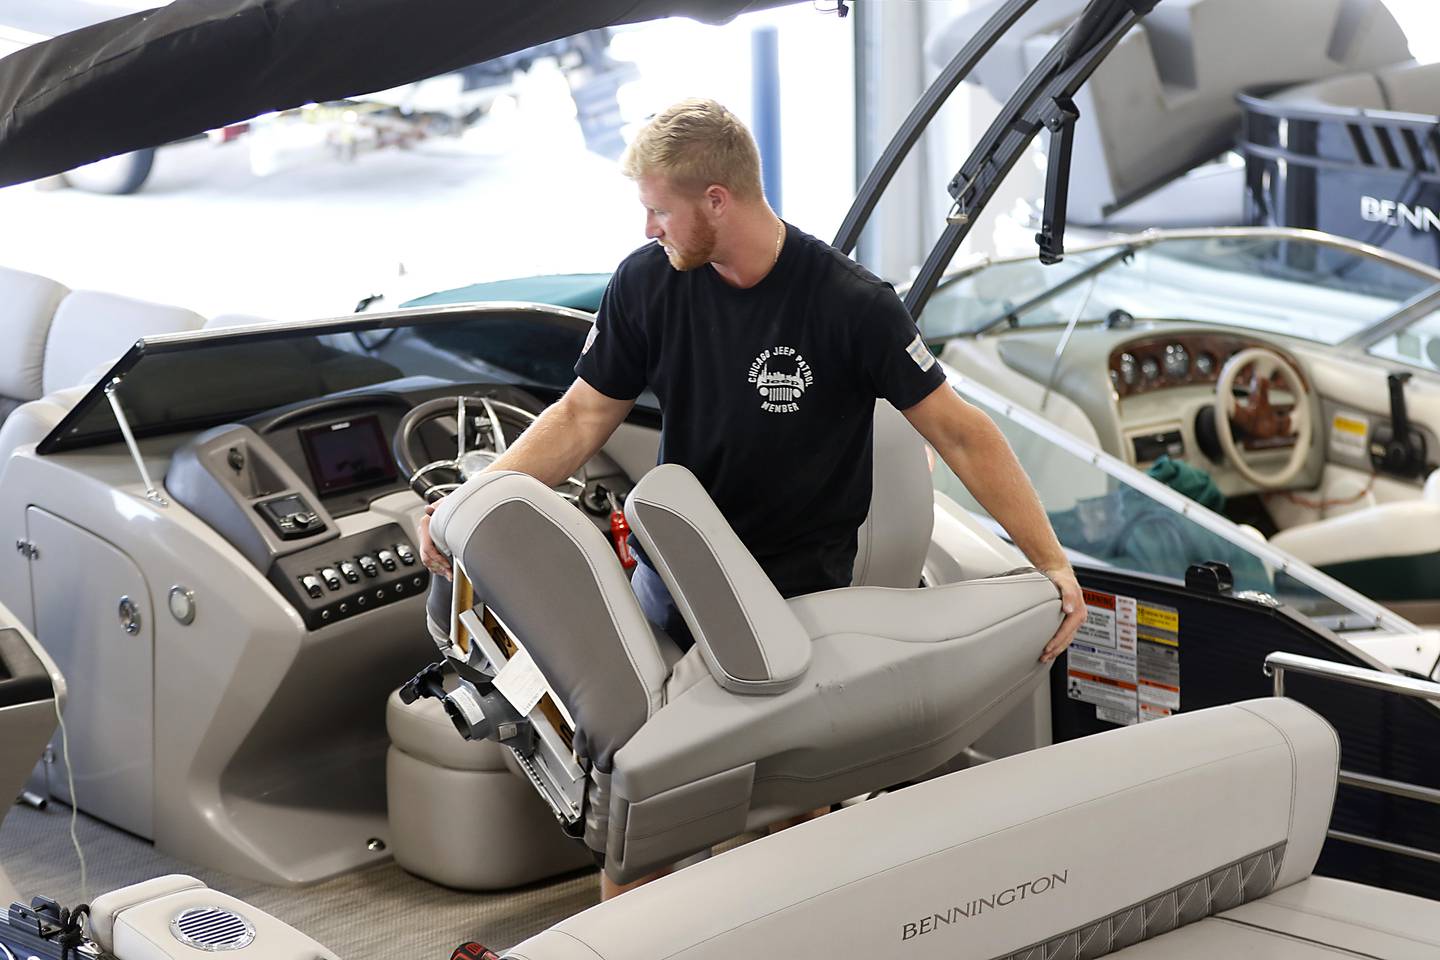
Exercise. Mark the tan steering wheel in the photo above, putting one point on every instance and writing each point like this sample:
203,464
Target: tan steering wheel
1264,425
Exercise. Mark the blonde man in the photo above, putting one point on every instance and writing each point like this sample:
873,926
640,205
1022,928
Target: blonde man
767,350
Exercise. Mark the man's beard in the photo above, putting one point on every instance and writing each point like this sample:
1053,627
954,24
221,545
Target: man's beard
697,254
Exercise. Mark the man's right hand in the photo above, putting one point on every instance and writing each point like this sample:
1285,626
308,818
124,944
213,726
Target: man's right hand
434,560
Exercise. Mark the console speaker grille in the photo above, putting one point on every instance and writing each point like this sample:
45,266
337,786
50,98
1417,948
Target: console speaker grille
212,928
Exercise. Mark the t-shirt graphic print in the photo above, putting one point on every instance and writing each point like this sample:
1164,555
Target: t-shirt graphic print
781,377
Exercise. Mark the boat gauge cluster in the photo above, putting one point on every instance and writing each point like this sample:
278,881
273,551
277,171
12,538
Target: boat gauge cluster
1176,360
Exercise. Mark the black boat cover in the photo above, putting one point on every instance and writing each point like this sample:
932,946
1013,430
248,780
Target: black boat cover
176,71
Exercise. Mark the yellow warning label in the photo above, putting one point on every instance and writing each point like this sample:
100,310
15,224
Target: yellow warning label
1159,618
1356,428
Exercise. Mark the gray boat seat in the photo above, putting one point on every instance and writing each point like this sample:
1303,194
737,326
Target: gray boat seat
891,544
87,333
27,307
426,754
1190,837
781,707
92,328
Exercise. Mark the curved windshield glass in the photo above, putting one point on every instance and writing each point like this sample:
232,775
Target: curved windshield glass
1417,344
1288,286
198,380
1108,514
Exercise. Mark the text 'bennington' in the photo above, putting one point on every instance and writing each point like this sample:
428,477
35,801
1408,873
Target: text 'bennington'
977,907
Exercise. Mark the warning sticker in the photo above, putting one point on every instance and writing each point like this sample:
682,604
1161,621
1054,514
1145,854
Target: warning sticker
1126,659
1152,712
1102,691
1098,630
1115,716
1157,674
1154,620
521,682
1125,625
1100,664
1350,434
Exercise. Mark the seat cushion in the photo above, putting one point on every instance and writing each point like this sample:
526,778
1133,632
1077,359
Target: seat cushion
1369,921
1213,938
920,616
30,422
1401,529
27,307
1316,919
891,544
747,635
1136,832
423,730
92,328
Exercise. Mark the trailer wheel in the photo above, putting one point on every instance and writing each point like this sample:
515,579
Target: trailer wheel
125,173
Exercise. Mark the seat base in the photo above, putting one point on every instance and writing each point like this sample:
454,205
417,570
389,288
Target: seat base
473,829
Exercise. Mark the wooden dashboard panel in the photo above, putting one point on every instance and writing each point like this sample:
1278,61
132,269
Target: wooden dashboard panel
1216,348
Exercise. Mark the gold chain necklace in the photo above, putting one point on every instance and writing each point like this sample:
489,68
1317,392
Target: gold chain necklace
779,241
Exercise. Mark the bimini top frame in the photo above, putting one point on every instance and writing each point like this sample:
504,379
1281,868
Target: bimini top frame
1043,100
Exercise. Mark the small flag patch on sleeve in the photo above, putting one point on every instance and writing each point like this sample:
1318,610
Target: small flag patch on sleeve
922,356
590,339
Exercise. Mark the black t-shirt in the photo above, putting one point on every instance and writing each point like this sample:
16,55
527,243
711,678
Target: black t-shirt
767,394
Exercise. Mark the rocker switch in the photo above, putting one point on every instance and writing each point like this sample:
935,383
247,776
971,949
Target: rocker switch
406,555
349,571
332,577
387,559
312,586
367,563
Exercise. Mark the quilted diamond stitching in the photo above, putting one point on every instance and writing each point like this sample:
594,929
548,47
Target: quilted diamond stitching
1231,885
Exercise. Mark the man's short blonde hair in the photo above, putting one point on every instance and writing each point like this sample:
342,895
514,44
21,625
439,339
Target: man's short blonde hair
696,143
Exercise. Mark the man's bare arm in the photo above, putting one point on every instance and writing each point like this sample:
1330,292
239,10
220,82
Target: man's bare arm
566,435
975,449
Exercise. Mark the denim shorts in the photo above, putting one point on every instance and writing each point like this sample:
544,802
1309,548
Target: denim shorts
658,605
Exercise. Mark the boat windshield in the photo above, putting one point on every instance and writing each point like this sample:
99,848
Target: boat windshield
191,381
1108,514
1293,286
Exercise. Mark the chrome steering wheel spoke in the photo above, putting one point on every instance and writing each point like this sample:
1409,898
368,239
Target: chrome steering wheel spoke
497,416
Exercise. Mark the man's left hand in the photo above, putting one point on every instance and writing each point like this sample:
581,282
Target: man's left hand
1072,602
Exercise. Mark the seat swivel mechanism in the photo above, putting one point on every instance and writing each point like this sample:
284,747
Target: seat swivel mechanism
474,706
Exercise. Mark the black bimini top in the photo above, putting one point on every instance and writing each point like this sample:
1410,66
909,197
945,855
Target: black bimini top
194,65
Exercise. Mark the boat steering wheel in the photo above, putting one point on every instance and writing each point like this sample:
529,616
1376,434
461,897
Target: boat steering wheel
493,425
1265,426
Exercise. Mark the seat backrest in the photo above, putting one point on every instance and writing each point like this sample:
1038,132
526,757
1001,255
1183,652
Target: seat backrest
31,422
27,308
749,638
1075,850
92,328
553,579
891,543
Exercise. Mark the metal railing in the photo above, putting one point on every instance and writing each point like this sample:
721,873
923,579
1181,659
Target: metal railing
1276,666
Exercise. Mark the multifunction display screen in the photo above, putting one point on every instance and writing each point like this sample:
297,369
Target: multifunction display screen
348,454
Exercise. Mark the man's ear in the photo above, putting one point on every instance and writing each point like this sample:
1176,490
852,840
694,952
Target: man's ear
717,199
